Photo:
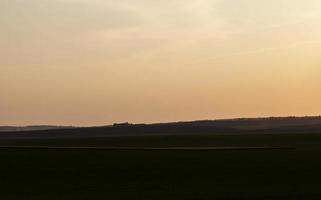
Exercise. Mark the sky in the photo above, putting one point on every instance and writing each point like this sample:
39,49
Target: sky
95,62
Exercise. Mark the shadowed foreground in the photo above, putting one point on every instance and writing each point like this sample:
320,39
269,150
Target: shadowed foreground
172,174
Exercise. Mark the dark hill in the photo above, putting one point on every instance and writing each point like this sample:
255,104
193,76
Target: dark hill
213,127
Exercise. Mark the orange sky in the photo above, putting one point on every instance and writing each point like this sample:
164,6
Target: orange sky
94,62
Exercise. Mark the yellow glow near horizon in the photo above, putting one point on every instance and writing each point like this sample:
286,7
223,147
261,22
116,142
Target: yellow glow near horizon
90,62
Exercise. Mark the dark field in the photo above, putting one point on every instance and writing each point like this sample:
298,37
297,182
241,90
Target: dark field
164,174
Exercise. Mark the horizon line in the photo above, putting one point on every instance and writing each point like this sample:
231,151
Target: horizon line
165,122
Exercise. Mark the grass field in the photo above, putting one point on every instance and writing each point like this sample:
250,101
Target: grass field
164,174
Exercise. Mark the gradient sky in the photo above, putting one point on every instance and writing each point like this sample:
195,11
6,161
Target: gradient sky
93,62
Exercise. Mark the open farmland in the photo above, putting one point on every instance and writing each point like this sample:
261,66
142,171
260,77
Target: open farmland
163,174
